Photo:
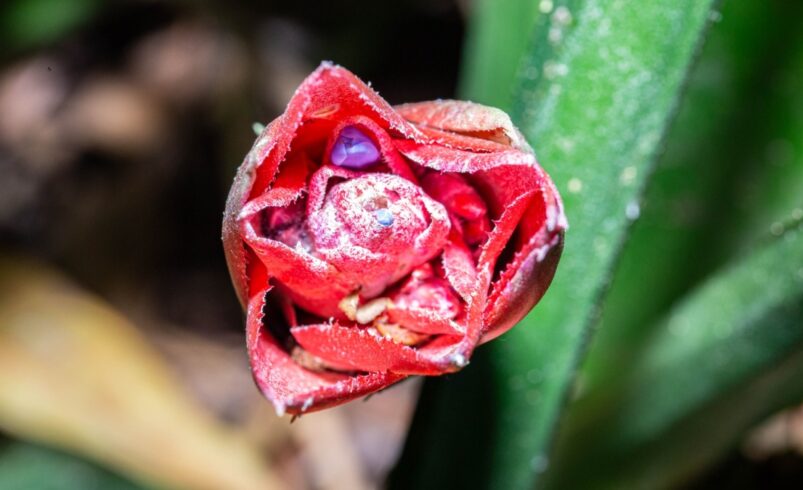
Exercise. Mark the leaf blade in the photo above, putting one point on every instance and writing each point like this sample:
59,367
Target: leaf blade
498,38
695,384
615,105
715,189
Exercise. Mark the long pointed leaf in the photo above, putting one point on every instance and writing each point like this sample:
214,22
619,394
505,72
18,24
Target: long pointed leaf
733,166
598,87
725,357
499,38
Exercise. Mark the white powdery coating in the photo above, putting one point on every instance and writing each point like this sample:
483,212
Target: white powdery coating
468,118
348,234
469,162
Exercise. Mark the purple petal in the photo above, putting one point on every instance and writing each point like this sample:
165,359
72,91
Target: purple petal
354,149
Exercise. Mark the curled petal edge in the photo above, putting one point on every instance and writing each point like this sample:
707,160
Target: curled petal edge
293,389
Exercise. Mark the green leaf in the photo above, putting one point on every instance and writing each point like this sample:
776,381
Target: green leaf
28,467
733,166
26,24
596,90
769,189
728,355
498,39
732,172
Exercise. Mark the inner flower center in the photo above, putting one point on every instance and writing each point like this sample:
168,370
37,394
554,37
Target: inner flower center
376,228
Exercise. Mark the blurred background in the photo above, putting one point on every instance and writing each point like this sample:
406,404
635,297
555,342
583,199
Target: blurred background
122,357
121,126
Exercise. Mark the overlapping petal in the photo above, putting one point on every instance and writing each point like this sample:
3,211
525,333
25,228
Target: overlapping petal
369,243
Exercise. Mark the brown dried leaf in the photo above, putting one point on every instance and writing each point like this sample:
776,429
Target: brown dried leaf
76,375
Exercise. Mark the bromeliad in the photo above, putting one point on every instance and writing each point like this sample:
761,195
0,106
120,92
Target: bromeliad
369,242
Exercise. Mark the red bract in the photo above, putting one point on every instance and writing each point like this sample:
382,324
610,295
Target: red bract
369,242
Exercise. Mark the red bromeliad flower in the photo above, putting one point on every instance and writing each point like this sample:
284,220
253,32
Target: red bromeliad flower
369,242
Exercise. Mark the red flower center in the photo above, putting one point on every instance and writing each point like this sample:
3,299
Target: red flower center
376,228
